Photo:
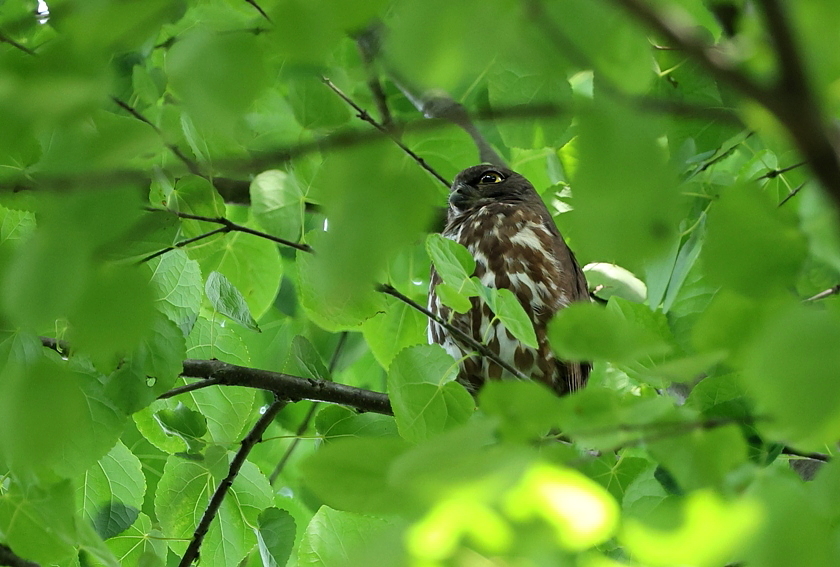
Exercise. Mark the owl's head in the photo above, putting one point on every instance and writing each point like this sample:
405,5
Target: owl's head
482,185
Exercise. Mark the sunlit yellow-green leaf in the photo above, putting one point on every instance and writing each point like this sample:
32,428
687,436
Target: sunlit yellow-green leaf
581,511
712,530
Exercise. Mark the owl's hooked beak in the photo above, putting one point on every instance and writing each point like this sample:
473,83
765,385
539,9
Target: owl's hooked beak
461,196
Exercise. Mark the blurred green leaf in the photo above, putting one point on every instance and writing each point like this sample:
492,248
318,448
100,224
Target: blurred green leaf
752,246
622,182
39,522
277,204
216,75
586,331
342,478
790,371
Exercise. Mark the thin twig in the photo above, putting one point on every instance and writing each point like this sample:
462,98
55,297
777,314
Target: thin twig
304,424
790,99
813,456
253,437
182,243
827,293
191,387
773,173
364,115
481,348
16,45
793,193
368,43
259,9
227,226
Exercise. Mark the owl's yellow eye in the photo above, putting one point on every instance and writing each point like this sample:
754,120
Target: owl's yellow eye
492,177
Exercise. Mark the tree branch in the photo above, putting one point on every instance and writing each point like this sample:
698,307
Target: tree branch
253,437
790,100
481,348
304,424
364,115
291,388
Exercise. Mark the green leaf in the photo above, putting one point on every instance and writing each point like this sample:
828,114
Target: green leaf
790,371
275,537
54,420
334,538
352,255
113,314
387,333
424,396
513,82
586,331
615,475
307,361
752,246
140,544
258,279
645,495
227,300
453,298
277,204
314,105
205,70
184,492
111,492
342,479
623,182
152,369
336,422
701,458
211,339
177,283
185,423
196,196
452,261
38,522
526,410
510,312
45,277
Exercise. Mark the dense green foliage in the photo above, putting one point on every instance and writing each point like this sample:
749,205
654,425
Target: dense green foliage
712,369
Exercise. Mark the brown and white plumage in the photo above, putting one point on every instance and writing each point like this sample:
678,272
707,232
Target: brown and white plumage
498,216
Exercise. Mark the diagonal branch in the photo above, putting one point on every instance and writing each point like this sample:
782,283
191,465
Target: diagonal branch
481,348
790,100
227,226
364,115
254,436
